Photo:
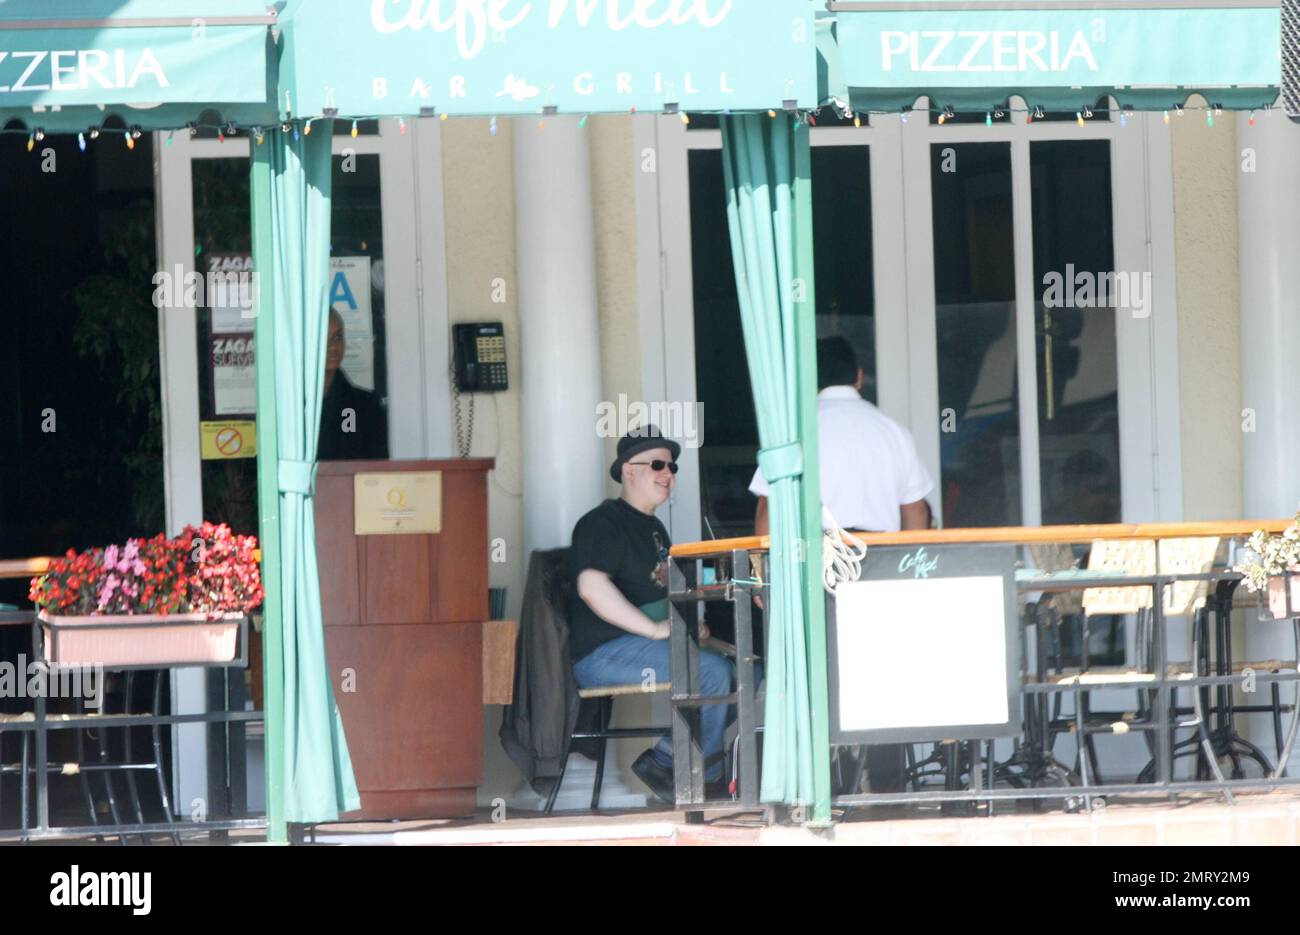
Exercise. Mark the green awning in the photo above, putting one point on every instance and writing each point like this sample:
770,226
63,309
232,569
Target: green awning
151,63
353,58
881,55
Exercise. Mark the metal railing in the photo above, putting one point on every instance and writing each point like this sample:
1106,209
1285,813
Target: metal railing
1184,708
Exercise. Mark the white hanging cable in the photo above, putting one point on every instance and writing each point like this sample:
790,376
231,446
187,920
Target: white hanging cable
842,553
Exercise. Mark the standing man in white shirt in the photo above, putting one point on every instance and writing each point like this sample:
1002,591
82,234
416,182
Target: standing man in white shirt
872,480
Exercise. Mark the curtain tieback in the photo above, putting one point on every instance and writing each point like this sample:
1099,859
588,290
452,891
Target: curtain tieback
781,462
298,477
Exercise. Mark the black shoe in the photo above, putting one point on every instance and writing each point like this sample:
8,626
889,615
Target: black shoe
658,778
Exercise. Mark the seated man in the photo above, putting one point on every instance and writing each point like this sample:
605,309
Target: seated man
619,628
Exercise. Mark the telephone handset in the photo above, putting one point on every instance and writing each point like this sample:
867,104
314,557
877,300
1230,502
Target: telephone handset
480,357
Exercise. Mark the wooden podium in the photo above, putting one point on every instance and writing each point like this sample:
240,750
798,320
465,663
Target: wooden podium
403,632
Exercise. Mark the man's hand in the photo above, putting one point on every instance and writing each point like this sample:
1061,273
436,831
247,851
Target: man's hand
663,629
608,603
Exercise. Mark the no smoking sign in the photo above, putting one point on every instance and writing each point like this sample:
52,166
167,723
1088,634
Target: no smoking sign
225,440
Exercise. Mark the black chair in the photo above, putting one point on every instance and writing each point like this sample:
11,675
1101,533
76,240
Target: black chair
603,697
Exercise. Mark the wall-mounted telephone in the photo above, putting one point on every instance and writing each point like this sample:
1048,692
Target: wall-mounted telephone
480,357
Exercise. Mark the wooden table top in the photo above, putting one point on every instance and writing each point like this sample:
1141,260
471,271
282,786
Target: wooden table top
1020,535
23,567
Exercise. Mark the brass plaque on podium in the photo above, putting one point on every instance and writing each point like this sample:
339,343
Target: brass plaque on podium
405,502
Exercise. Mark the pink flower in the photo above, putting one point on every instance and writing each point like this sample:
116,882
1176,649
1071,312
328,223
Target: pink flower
106,590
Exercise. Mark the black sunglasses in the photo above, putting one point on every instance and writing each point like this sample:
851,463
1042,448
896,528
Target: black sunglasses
657,465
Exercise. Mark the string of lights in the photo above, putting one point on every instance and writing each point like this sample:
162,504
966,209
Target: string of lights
303,126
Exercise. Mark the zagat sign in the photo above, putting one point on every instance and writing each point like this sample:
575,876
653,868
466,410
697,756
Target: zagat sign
512,57
474,20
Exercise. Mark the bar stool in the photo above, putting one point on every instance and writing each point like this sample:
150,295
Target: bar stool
106,765
1032,763
1180,599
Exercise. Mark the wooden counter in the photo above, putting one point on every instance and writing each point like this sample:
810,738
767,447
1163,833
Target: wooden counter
403,626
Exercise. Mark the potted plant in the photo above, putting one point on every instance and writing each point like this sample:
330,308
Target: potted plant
157,602
1273,560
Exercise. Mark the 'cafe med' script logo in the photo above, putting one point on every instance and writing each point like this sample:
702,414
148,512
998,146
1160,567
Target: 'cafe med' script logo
918,563
476,20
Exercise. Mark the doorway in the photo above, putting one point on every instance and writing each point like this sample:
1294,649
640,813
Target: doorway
386,241
937,248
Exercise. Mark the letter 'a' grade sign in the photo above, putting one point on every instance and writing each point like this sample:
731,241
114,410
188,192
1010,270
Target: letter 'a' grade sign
399,57
923,646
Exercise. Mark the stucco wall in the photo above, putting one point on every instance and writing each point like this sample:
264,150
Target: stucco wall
478,184
1205,166
478,188
614,206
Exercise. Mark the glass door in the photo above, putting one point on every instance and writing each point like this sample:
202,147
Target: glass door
207,352
1029,285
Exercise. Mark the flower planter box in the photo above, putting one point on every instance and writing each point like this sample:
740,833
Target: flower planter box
1277,594
140,639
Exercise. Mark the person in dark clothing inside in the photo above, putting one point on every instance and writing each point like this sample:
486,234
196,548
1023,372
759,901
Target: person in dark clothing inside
619,627
353,424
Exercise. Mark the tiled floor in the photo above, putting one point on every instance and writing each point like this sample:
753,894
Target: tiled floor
1260,818
1264,818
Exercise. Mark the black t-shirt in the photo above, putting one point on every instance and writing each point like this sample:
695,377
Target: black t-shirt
367,438
630,547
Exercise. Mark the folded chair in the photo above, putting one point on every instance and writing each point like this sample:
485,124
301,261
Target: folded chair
1181,599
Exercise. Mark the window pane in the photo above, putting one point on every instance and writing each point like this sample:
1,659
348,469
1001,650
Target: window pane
727,457
222,233
846,301
845,306
355,425
974,277
1078,395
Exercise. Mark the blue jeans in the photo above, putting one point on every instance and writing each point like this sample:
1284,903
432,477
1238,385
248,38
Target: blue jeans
631,660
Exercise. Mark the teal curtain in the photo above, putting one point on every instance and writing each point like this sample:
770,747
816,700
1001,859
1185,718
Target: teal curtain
766,165
310,775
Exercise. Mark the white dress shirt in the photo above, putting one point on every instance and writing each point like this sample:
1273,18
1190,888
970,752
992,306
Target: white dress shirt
868,463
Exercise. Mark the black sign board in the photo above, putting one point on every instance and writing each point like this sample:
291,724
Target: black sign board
924,646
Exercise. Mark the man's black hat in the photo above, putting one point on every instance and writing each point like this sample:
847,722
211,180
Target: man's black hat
636,441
